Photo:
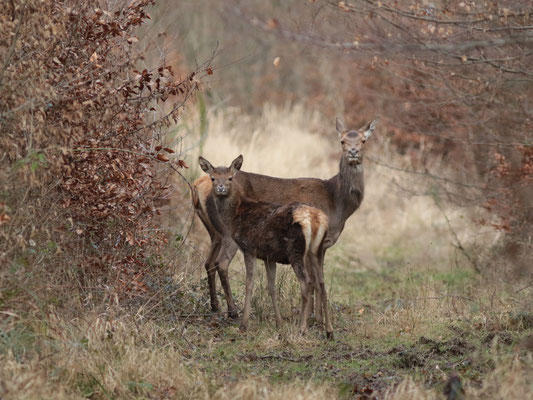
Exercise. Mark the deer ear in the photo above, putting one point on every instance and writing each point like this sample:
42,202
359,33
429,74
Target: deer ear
369,129
205,165
339,125
236,164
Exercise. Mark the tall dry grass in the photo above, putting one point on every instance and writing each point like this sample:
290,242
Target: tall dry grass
511,379
102,355
399,221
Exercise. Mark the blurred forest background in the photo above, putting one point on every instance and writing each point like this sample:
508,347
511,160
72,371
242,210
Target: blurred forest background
104,108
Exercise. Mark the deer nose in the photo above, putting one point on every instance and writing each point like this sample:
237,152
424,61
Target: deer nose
221,189
353,152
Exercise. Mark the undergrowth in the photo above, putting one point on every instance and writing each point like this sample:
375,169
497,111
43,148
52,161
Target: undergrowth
168,345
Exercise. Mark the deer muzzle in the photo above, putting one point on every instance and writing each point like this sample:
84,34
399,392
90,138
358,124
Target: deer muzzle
221,190
353,156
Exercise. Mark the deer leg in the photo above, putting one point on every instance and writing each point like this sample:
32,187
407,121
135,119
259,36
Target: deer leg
249,261
315,304
271,280
210,267
308,290
321,288
312,300
305,287
309,278
226,254
318,308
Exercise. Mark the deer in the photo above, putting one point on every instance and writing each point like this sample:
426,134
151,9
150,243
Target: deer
338,197
291,233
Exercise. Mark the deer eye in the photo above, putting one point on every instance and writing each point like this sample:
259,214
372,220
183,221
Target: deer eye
343,142
212,179
230,178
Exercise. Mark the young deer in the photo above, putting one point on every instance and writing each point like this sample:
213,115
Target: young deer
338,197
289,234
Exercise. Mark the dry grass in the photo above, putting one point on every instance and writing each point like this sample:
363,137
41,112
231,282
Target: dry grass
392,225
260,389
512,379
105,355
99,356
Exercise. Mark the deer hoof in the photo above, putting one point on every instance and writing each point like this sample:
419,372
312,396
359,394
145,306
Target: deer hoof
233,314
329,335
243,328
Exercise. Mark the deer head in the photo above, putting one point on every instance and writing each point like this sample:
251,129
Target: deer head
353,141
221,177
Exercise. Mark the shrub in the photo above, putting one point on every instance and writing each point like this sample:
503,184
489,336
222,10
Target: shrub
83,130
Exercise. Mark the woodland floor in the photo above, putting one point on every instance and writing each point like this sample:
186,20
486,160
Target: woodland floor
398,334
395,324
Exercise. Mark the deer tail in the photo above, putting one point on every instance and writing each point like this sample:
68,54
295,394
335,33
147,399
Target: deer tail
314,223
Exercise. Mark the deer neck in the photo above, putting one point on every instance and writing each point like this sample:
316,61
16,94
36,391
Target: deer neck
350,187
227,208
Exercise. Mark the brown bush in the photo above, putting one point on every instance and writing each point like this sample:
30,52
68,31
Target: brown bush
83,130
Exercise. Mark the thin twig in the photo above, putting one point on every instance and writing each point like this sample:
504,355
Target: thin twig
457,243
524,288
443,296
425,173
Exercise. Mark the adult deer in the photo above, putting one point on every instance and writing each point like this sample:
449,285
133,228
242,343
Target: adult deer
338,197
289,234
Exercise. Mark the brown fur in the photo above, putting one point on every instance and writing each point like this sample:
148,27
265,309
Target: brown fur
276,233
338,197
203,186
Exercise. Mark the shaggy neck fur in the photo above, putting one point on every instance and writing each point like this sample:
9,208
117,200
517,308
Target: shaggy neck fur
349,184
227,206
